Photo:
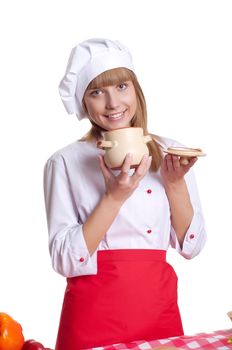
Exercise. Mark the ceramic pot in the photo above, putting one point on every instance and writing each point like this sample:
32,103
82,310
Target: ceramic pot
118,143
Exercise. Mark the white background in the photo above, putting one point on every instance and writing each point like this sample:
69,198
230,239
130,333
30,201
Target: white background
182,53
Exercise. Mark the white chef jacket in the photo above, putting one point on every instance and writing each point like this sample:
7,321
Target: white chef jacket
73,186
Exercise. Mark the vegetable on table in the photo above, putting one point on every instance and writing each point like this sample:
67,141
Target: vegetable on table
11,333
11,336
32,344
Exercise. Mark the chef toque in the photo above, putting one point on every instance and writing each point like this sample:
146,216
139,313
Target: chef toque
87,60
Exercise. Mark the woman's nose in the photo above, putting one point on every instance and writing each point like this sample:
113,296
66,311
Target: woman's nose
112,101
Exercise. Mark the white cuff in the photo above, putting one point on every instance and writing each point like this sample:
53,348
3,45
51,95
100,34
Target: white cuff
194,240
70,255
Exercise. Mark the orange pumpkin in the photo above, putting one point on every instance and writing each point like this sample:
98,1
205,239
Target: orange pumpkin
11,333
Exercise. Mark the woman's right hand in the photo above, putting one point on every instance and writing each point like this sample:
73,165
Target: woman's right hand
119,188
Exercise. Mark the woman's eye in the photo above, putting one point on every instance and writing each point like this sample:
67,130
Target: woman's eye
96,92
122,86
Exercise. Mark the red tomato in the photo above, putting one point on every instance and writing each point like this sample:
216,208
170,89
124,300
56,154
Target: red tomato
11,334
32,344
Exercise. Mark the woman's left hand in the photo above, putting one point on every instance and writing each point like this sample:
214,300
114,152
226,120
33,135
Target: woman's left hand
172,170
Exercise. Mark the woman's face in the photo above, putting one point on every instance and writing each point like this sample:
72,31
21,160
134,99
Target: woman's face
111,107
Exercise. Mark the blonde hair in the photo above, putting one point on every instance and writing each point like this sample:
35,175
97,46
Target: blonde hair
114,77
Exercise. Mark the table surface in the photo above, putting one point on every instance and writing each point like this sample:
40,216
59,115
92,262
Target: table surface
216,340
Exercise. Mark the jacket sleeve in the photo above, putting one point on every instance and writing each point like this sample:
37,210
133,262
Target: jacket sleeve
69,253
195,236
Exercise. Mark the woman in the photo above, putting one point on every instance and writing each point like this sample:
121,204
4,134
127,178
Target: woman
109,230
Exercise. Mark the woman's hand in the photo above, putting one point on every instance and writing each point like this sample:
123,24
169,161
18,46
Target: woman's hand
119,188
172,171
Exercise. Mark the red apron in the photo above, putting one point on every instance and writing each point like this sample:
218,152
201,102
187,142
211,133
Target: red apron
132,297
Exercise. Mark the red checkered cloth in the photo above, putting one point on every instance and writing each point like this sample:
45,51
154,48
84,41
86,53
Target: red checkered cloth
216,340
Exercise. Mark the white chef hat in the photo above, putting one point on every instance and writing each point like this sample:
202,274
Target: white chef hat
87,60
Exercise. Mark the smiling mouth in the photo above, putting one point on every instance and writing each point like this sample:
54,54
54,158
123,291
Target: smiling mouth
115,116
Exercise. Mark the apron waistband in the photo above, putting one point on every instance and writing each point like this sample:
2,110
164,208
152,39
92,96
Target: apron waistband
131,254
